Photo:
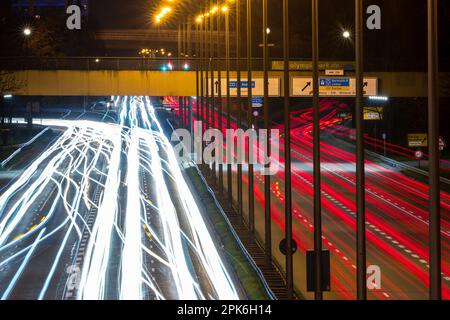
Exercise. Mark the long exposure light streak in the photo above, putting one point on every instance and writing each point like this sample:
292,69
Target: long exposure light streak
85,201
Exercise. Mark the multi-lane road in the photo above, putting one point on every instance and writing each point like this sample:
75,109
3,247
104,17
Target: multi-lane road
397,217
105,213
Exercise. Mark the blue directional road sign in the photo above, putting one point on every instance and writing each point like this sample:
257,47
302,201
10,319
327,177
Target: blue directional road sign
244,84
334,82
257,102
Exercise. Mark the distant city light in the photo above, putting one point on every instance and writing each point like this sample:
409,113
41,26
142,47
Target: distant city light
27,32
186,66
346,34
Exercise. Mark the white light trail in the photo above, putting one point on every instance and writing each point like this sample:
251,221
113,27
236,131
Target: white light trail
92,156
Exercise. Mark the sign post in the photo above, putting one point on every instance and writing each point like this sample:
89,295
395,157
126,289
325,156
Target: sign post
419,156
384,136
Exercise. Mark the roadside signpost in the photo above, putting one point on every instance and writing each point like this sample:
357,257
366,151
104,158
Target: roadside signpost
419,156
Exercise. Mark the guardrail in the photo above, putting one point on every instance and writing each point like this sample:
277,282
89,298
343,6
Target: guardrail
121,63
397,164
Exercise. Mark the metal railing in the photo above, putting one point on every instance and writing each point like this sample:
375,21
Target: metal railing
117,63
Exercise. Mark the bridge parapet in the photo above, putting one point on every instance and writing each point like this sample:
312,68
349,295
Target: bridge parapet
84,76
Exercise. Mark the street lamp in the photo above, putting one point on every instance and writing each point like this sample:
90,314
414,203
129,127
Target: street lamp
27,32
346,34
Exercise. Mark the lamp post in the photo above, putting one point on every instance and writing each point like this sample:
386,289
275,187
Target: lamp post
239,105
287,156
251,195
267,193
316,154
434,156
206,55
219,97
197,75
360,167
197,56
202,79
212,106
227,63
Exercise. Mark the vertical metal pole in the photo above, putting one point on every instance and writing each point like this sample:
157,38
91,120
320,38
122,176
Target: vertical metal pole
197,57
184,115
267,193
212,106
227,55
251,195
187,109
207,82
180,110
360,157
219,95
287,156
239,103
202,78
434,156
191,121
316,154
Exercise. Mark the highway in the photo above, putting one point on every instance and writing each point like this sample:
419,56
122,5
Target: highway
397,218
105,213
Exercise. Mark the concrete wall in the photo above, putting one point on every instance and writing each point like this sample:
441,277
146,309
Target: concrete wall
104,83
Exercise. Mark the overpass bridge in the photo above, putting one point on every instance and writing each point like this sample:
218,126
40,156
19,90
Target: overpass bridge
92,76
135,38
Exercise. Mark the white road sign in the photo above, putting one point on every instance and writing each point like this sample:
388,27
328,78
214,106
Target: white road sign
334,72
418,154
442,144
340,86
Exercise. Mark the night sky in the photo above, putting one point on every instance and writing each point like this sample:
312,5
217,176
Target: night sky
400,45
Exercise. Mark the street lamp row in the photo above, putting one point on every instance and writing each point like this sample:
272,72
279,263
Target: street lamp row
206,63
